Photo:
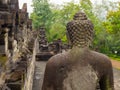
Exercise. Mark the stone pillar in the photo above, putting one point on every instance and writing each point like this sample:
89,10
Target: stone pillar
42,37
6,41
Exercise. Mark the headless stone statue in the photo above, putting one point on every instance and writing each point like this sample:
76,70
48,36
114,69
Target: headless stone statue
80,68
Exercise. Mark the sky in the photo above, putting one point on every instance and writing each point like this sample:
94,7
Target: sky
29,2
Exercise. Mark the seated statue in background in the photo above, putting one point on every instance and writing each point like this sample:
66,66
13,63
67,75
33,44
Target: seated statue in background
80,68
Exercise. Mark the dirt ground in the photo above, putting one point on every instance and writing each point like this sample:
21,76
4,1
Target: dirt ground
116,64
116,70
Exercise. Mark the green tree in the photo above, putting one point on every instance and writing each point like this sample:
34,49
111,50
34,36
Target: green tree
42,14
54,19
112,25
60,18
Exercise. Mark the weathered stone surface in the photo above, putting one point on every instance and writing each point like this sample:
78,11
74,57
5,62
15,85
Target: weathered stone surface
80,68
15,35
80,30
2,49
38,75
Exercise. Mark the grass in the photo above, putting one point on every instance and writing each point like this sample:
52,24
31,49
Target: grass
114,57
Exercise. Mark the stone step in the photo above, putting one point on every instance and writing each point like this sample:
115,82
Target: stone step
43,56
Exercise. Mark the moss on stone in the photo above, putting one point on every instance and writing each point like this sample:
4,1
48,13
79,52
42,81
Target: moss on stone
108,85
3,59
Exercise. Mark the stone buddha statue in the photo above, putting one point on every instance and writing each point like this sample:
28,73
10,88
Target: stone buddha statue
79,68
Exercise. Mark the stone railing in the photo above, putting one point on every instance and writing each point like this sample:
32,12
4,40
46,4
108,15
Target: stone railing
30,70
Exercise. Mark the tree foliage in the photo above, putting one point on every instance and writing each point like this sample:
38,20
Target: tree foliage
54,19
113,21
112,25
42,14
61,17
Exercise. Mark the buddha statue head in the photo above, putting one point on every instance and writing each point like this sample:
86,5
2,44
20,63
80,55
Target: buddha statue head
80,30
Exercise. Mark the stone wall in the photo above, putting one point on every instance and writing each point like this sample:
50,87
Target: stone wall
30,70
16,44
